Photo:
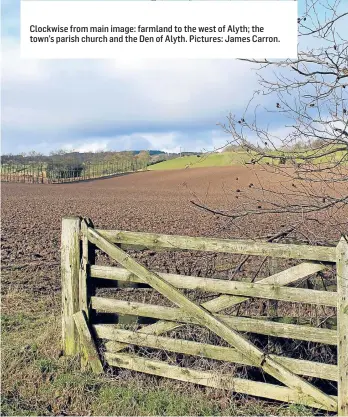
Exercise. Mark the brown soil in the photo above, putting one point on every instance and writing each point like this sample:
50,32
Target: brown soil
151,201
154,201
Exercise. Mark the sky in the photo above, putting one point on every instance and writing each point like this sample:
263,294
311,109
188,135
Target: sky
96,105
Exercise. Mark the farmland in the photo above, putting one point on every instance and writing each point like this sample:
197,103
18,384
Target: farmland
237,158
36,378
43,172
204,160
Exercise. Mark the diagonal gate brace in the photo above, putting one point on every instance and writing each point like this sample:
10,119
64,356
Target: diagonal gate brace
221,302
206,319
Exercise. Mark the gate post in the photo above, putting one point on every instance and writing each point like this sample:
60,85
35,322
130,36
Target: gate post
70,266
342,325
86,287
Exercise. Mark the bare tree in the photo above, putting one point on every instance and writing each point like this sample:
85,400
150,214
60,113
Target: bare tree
310,160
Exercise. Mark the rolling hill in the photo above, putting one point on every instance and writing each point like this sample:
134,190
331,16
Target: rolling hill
207,160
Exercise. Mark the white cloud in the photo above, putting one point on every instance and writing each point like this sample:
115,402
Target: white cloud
175,141
115,104
52,101
88,147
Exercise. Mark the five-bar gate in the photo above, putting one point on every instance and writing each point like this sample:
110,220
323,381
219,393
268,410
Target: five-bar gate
80,275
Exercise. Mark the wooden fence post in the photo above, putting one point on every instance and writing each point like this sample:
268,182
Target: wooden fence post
272,304
342,325
86,289
84,266
70,266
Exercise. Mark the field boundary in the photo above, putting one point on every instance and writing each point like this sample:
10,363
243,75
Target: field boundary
56,174
82,335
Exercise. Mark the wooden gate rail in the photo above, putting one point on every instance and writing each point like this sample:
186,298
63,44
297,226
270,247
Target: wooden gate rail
298,366
243,324
222,286
242,247
222,302
210,379
80,276
213,323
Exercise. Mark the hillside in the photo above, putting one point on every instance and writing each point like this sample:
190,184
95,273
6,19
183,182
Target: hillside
208,160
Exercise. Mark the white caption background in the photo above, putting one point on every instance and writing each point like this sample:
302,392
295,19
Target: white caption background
98,29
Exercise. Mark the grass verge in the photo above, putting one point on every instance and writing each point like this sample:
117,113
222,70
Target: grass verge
38,380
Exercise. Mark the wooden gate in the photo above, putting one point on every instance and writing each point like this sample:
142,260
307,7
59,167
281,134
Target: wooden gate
80,275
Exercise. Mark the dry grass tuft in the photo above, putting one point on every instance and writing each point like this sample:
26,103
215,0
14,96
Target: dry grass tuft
38,380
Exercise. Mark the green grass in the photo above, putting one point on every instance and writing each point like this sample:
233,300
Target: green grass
38,380
209,160
239,158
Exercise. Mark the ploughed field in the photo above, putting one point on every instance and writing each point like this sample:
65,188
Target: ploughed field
38,380
153,201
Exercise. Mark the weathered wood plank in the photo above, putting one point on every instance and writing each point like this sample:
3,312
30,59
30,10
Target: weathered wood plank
87,346
124,318
273,304
70,264
298,366
282,278
83,290
215,305
258,290
342,325
210,379
309,368
243,324
83,285
247,247
91,287
213,323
